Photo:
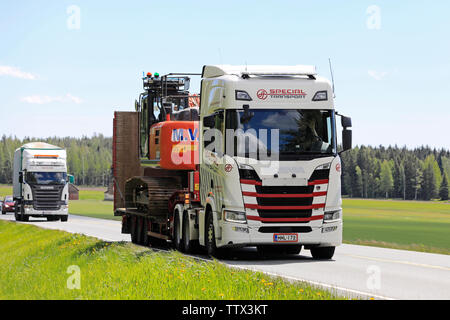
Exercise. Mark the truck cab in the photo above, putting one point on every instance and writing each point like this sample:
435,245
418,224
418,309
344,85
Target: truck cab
270,171
40,182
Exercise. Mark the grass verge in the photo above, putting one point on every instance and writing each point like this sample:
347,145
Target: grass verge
407,225
36,266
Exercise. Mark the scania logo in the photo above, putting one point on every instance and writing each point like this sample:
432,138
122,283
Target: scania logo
46,188
262,94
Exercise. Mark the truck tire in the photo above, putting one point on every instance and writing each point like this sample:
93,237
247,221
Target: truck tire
3,212
177,240
133,229
23,217
189,245
16,213
322,253
210,239
64,218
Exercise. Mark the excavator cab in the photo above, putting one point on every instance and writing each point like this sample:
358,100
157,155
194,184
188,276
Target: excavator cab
168,122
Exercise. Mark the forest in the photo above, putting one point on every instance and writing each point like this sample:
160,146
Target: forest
367,172
88,158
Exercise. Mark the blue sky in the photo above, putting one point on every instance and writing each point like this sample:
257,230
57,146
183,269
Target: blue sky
392,79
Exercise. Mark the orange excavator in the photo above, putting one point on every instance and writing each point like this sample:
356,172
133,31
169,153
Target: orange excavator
155,155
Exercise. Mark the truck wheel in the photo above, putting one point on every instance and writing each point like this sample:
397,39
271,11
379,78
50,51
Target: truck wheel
133,229
3,212
64,218
189,245
177,241
25,218
210,238
323,253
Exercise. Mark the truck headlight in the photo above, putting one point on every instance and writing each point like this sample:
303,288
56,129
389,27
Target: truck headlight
234,216
332,215
320,96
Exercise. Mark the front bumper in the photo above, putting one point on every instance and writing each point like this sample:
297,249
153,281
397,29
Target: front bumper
45,213
242,235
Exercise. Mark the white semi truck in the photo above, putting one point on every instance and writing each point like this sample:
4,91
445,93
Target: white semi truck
40,182
256,165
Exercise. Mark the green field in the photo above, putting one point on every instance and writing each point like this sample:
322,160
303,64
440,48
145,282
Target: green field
410,225
40,266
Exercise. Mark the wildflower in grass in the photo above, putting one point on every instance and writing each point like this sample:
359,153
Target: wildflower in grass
263,280
221,295
268,284
203,289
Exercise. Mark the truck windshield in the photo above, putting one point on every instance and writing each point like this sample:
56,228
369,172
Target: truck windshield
302,133
46,177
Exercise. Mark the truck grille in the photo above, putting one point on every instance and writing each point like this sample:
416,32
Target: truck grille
47,199
286,202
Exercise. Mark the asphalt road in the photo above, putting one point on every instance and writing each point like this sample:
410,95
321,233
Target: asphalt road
355,271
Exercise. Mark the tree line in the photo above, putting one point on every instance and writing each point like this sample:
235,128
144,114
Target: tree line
393,172
88,158
367,172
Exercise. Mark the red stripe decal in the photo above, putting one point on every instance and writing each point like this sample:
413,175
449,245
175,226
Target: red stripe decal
313,206
259,183
254,182
296,195
312,183
256,218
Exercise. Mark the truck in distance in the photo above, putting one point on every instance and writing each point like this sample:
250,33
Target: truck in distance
253,161
40,182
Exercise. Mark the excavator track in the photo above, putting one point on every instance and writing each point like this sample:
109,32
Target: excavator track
150,195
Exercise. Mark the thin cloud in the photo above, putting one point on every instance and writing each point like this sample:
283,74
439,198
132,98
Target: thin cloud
16,73
37,99
377,75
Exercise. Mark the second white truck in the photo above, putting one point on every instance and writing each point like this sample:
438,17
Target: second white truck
40,182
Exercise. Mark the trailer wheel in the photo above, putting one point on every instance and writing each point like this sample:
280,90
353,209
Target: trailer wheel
178,242
133,229
64,218
323,253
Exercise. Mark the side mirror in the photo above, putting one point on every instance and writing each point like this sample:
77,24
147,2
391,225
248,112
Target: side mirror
346,122
209,121
20,177
71,178
346,140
